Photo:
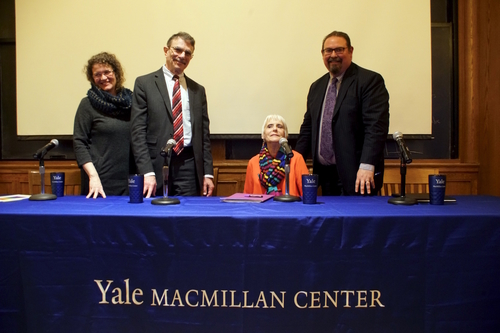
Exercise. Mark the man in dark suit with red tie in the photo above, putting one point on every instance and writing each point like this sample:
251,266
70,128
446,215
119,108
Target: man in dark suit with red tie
167,105
346,123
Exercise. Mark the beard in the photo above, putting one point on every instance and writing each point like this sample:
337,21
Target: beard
334,66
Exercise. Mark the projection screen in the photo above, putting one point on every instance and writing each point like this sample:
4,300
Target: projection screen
254,57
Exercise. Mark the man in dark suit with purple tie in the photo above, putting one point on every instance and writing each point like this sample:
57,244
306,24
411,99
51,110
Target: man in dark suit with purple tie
346,123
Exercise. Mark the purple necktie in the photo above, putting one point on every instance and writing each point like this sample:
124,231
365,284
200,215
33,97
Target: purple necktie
177,113
326,149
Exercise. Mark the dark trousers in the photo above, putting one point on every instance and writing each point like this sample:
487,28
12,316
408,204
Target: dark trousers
182,174
328,179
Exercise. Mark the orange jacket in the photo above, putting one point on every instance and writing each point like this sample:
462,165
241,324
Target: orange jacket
297,169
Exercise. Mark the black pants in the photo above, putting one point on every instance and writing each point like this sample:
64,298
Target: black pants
182,174
328,179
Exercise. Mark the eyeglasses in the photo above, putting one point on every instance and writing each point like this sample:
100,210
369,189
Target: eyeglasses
107,74
337,50
178,51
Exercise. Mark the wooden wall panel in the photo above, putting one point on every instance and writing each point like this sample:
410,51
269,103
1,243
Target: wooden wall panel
489,95
13,183
468,74
478,91
462,178
231,177
14,174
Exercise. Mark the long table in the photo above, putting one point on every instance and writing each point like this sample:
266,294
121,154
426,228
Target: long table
346,264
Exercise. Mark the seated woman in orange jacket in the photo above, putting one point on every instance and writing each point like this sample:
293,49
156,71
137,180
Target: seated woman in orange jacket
266,170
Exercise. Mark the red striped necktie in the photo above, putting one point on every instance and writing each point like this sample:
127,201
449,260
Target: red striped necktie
177,113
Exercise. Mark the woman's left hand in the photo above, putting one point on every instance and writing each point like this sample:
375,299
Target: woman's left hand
95,187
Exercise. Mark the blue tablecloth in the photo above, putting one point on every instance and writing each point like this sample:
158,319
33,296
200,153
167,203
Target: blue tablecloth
348,264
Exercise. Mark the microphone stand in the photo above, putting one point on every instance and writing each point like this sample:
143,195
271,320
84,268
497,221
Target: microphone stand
402,199
165,200
42,196
287,197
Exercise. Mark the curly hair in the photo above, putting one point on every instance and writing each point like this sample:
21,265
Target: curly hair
106,59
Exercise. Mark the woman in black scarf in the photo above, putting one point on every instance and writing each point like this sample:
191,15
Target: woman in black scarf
101,135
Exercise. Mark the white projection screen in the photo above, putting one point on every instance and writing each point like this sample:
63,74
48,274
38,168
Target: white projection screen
254,57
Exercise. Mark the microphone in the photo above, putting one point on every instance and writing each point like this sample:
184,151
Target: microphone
405,152
42,151
284,144
170,144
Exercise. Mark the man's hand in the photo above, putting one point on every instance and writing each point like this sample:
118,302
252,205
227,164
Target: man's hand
365,180
149,186
208,186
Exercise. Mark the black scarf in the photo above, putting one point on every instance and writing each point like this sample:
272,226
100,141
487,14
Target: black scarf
113,106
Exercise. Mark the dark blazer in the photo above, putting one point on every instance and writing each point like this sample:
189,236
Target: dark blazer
152,126
360,124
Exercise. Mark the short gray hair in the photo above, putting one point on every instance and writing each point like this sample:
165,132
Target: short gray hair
275,117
